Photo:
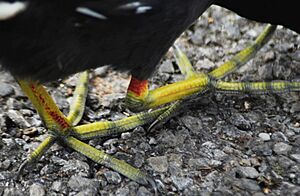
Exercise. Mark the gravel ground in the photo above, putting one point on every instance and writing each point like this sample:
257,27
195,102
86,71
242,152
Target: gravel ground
217,144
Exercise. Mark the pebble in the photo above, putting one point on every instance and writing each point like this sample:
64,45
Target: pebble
6,89
126,135
181,182
200,163
248,172
142,191
18,119
219,155
279,137
264,136
5,164
192,123
88,192
79,183
198,36
76,165
282,148
265,72
296,56
139,160
240,122
101,71
247,184
123,191
37,190
295,157
112,177
269,56
166,67
159,164
57,186
264,149
295,107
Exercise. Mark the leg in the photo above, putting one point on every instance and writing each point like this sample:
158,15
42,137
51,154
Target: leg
62,128
194,83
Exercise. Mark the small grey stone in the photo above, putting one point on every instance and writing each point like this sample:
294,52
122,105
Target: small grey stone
14,104
281,148
168,139
87,192
269,56
175,159
219,155
5,176
295,107
139,160
57,186
264,136
159,164
60,99
79,183
112,177
37,190
247,184
200,163
6,89
143,192
166,67
248,172
193,124
281,71
259,194
9,142
101,71
240,122
5,164
123,191
295,157
181,182
209,145
75,165
205,64
264,149
126,135
296,55
18,119
279,137
233,31
265,72
198,36
152,141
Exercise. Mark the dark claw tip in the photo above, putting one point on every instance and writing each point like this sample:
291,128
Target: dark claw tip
153,125
21,169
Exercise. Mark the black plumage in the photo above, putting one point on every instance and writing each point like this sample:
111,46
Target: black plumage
53,39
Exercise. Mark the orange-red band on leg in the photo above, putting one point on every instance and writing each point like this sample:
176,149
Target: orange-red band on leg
138,87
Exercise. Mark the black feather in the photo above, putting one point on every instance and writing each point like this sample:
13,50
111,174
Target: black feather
53,39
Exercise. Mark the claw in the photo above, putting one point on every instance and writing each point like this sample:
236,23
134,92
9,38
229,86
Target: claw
21,169
150,182
166,115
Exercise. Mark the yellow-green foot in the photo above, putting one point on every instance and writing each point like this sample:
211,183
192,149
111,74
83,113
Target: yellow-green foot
65,129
